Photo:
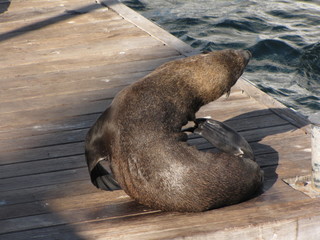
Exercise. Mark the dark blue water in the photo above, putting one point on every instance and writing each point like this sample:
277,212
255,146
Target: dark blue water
284,37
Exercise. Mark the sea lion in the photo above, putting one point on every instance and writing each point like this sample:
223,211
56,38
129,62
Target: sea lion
137,143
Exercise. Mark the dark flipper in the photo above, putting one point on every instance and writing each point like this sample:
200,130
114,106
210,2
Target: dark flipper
98,156
223,137
102,177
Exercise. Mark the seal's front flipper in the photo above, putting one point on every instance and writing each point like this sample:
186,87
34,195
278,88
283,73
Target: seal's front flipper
102,177
223,137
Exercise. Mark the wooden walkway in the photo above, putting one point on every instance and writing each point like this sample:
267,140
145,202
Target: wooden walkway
62,62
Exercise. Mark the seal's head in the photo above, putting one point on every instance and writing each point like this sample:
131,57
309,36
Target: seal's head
210,75
223,70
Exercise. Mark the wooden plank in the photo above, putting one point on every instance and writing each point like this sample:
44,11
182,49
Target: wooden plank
274,191
109,69
98,86
183,225
39,17
18,6
84,201
51,219
170,225
102,198
150,27
107,23
42,193
274,105
44,166
67,81
67,49
73,123
234,112
256,122
44,179
29,11
49,152
29,14
44,140
65,64
245,108
55,47
42,115
108,26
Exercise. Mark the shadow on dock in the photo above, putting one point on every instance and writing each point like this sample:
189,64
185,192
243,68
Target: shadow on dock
68,14
255,132
4,6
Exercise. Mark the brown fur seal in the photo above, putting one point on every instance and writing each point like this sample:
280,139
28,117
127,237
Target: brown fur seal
137,143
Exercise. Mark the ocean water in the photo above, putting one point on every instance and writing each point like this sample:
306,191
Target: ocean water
283,36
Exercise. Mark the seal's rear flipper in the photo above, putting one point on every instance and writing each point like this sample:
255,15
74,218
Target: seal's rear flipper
98,155
223,137
102,177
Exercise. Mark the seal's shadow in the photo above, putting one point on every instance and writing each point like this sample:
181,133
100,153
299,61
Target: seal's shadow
254,127
4,6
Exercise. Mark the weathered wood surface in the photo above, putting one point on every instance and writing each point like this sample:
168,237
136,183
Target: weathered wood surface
62,62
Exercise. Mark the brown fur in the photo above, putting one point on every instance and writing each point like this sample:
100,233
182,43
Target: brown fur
140,136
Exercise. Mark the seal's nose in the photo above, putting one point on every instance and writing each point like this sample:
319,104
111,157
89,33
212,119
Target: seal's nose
246,54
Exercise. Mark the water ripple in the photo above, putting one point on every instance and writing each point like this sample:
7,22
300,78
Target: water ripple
283,36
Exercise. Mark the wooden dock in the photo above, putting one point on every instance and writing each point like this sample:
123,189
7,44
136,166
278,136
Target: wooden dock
62,62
